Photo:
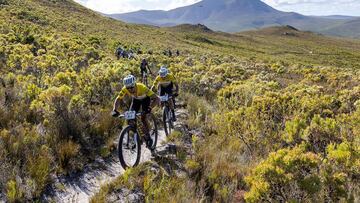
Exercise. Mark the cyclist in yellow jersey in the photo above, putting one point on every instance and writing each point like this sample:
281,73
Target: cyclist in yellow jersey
165,83
141,96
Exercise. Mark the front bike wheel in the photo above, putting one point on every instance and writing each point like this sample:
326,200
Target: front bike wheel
153,130
167,120
129,147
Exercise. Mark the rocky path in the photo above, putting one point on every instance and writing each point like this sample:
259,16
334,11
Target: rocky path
81,187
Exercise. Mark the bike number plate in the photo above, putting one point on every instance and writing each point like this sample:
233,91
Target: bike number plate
164,98
130,115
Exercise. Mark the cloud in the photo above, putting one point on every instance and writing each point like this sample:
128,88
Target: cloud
109,6
297,2
308,7
318,7
122,6
179,3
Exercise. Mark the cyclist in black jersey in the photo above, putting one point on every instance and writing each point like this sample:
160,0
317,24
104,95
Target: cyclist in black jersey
144,67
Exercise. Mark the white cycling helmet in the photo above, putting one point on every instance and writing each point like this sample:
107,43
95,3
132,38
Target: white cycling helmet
163,72
129,81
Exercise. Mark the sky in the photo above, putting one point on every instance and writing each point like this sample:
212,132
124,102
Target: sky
307,7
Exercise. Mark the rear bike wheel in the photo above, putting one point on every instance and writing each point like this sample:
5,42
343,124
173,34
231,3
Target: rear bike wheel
129,147
167,120
153,130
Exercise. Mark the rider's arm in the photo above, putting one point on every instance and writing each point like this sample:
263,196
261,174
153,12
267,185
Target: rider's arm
119,99
148,67
149,92
155,84
176,87
117,104
154,100
173,80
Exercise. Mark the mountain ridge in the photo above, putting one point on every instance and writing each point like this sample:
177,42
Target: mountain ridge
233,16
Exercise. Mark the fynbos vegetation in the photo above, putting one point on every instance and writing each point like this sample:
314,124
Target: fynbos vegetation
279,115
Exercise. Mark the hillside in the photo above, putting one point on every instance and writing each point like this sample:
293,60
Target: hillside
270,115
275,44
349,28
230,16
338,17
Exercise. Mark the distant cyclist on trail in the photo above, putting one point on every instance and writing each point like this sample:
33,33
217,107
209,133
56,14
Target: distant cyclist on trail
141,96
144,67
165,83
118,52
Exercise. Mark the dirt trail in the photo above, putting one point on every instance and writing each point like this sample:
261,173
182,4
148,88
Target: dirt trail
81,187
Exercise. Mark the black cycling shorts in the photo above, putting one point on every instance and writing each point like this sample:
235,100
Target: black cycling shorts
143,71
143,103
166,90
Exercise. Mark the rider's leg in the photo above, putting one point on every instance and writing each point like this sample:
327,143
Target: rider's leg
161,92
172,110
142,73
169,90
145,105
135,105
145,126
144,77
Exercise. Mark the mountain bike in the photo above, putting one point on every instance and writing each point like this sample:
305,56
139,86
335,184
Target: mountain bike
168,117
130,141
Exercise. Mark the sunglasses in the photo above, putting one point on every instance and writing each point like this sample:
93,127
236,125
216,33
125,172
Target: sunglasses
130,88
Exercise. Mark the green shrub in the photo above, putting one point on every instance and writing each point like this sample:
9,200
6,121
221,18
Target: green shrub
286,175
14,194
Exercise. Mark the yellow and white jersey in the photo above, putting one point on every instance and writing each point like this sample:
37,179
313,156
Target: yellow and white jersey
141,92
164,82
